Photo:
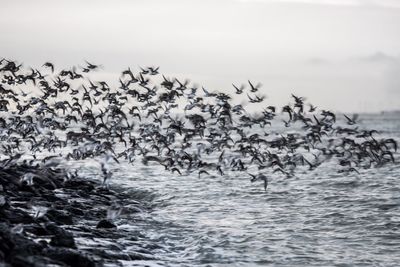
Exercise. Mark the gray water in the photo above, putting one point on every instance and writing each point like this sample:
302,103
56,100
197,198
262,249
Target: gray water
318,218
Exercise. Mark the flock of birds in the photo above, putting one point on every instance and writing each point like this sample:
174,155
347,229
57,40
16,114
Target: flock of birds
48,116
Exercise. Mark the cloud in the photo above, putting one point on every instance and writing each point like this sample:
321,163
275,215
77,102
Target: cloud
360,3
318,61
378,57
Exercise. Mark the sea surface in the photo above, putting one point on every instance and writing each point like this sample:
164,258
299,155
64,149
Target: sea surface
317,218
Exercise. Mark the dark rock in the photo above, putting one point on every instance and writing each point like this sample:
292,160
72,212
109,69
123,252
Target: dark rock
66,240
27,189
13,245
78,204
59,217
36,229
105,224
79,184
61,237
6,244
44,183
16,216
70,257
21,198
42,219
75,211
43,243
140,257
34,261
3,201
51,198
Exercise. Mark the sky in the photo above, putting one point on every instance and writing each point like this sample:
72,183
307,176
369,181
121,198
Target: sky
342,55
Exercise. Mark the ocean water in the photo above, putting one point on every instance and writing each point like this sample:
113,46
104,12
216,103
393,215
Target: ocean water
317,218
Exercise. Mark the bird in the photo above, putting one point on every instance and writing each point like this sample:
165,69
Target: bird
261,177
171,123
239,90
49,65
351,121
253,88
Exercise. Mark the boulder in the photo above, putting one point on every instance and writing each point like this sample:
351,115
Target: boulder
105,224
59,217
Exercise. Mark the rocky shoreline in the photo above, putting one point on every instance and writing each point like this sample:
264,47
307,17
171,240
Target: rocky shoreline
50,217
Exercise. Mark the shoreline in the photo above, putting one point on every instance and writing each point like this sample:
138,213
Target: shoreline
51,218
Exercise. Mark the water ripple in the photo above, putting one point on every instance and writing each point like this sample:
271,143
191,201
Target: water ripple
319,218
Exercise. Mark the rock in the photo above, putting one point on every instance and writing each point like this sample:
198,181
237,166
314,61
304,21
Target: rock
3,201
36,229
13,245
44,183
61,237
43,243
27,189
51,198
59,217
34,261
134,256
75,211
6,244
26,240
16,216
66,240
105,224
80,185
70,257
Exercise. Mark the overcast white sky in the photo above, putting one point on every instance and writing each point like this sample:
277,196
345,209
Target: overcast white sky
340,54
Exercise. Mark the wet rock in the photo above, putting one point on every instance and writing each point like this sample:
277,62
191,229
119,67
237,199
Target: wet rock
104,191
27,189
6,244
13,245
61,237
4,204
43,243
59,217
34,261
106,224
21,198
75,211
53,228
78,184
36,229
70,257
16,216
44,183
140,256
81,204
3,201
51,198
66,240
